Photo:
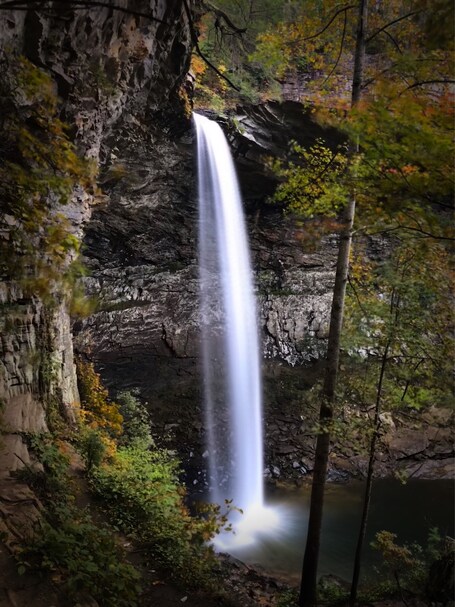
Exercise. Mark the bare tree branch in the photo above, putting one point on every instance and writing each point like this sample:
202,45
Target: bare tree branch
39,5
397,20
327,25
425,82
356,295
405,228
367,83
394,42
194,39
222,15
343,36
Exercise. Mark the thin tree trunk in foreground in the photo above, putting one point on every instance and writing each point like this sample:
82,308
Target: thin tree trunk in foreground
310,561
369,481
308,588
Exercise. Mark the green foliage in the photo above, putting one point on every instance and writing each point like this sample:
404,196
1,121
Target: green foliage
286,48
435,545
40,169
53,479
405,170
288,598
315,183
230,53
84,558
405,563
140,489
136,421
332,591
402,303
80,555
92,447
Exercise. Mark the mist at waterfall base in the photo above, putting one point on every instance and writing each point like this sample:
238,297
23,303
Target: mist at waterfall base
230,345
409,510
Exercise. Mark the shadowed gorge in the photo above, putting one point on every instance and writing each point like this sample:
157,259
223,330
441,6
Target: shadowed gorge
226,303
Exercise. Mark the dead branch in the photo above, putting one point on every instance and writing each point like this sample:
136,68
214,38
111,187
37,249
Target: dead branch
394,42
194,39
222,15
327,25
343,36
40,5
397,20
425,82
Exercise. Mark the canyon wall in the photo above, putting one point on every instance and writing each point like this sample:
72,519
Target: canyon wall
114,73
141,250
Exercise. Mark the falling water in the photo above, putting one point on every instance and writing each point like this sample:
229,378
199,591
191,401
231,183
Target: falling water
230,344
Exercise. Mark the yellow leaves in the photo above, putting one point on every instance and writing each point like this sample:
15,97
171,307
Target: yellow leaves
222,84
210,88
97,411
198,66
316,185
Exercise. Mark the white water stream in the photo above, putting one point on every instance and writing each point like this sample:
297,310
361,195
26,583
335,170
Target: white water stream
230,343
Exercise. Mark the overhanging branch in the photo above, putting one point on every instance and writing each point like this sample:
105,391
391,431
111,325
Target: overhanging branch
48,5
340,52
194,39
387,25
425,82
344,9
222,15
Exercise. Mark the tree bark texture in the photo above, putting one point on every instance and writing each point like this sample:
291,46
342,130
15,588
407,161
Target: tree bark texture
308,588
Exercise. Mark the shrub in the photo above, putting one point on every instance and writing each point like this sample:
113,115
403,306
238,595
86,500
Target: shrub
84,557
81,555
92,447
136,421
97,410
404,563
53,478
141,492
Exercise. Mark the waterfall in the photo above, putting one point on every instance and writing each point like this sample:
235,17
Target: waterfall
230,342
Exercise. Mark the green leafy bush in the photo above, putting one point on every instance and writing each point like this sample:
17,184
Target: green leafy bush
136,421
404,563
52,479
141,491
85,558
92,447
80,555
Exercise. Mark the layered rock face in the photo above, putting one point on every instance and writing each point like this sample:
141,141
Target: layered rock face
141,249
113,70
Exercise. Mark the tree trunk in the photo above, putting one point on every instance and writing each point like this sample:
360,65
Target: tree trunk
369,481
310,561
308,588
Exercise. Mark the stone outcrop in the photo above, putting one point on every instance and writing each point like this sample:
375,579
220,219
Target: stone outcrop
141,251
113,71
141,248
120,81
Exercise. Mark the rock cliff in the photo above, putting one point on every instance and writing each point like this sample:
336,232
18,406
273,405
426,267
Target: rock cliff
120,82
114,72
141,249
144,270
